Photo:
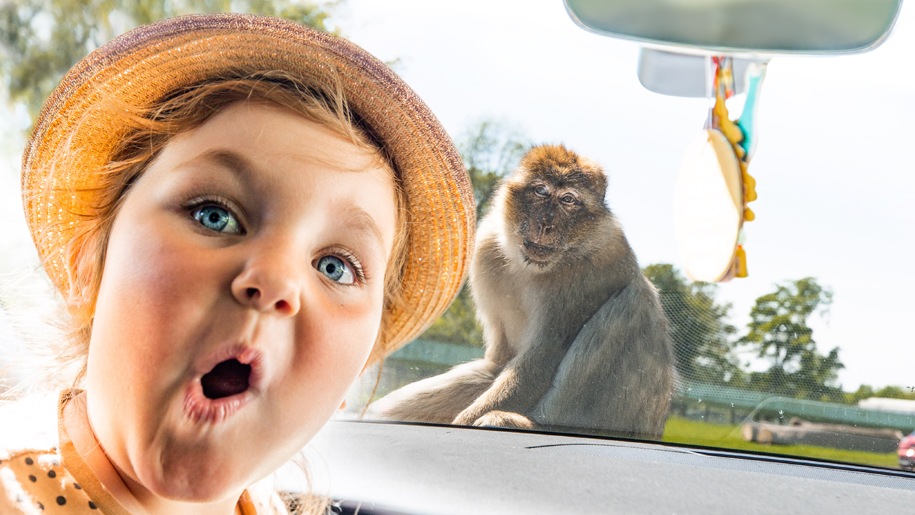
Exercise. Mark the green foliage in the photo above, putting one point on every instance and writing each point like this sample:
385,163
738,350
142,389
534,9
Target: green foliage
866,391
458,324
40,40
895,392
490,150
779,333
698,327
863,392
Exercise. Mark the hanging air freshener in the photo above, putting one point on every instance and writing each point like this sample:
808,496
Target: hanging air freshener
714,188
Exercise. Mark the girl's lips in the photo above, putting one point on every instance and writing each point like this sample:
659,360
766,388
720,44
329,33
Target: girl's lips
201,408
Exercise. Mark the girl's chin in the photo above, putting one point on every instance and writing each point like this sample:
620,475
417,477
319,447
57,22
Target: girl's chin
200,492
195,476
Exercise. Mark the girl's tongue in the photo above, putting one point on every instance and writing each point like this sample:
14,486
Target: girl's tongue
228,378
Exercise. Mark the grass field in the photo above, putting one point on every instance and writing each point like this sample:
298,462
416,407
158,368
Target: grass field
694,432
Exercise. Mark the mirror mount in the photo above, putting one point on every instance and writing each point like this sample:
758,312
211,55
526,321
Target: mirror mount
673,73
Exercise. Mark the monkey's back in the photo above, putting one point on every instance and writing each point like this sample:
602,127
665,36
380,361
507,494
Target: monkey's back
618,376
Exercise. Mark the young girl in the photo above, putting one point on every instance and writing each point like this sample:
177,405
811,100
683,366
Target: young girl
241,215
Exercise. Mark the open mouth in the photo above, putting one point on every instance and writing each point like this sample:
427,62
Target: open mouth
534,253
227,387
228,378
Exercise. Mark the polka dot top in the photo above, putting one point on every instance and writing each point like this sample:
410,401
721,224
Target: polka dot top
55,479
35,482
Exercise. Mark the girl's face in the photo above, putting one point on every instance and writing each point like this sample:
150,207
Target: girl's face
241,295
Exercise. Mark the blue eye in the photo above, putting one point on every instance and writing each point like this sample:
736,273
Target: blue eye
217,218
336,270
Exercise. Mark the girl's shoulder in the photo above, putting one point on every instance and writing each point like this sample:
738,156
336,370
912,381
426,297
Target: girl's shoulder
31,476
34,480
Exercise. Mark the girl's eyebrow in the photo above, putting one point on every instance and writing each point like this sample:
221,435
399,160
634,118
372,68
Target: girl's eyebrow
358,220
235,163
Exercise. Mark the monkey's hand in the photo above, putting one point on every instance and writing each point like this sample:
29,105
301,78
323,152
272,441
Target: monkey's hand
504,419
522,383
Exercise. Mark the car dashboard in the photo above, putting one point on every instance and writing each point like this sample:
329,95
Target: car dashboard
383,468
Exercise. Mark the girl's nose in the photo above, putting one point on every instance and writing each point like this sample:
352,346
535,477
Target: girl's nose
268,285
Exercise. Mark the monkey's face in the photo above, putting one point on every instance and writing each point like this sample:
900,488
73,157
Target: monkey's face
553,201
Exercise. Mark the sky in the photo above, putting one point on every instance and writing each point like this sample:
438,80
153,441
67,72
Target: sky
832,162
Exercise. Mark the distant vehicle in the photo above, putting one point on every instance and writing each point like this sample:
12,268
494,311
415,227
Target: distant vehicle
906,452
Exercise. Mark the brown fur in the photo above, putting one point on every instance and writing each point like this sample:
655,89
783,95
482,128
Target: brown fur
575,336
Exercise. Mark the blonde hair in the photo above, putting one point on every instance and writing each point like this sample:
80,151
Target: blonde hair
150,129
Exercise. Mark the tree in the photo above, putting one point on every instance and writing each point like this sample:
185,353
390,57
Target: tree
895,392
866,391
458,324
698,327
490,150
779,333
40,40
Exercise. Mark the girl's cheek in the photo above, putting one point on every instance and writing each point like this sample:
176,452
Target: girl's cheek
164,262
347,333
150,283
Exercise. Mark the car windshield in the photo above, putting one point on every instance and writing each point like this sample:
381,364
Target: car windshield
802,357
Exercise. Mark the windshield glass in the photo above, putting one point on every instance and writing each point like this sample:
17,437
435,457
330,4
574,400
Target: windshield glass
805,356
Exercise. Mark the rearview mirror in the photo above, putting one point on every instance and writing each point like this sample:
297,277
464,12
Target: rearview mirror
749,26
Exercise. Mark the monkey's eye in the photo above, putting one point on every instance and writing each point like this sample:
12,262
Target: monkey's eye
541,190
568,198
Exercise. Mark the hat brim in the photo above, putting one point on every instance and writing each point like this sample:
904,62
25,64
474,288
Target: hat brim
142,66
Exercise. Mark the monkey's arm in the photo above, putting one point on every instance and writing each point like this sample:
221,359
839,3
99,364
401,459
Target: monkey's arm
520,386
494,296
437,399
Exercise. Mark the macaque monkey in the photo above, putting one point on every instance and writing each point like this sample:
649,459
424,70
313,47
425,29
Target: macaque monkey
575,336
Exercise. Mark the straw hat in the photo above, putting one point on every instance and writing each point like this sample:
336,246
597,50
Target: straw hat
142,66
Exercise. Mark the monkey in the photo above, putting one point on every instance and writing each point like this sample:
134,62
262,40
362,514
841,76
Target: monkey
574,334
